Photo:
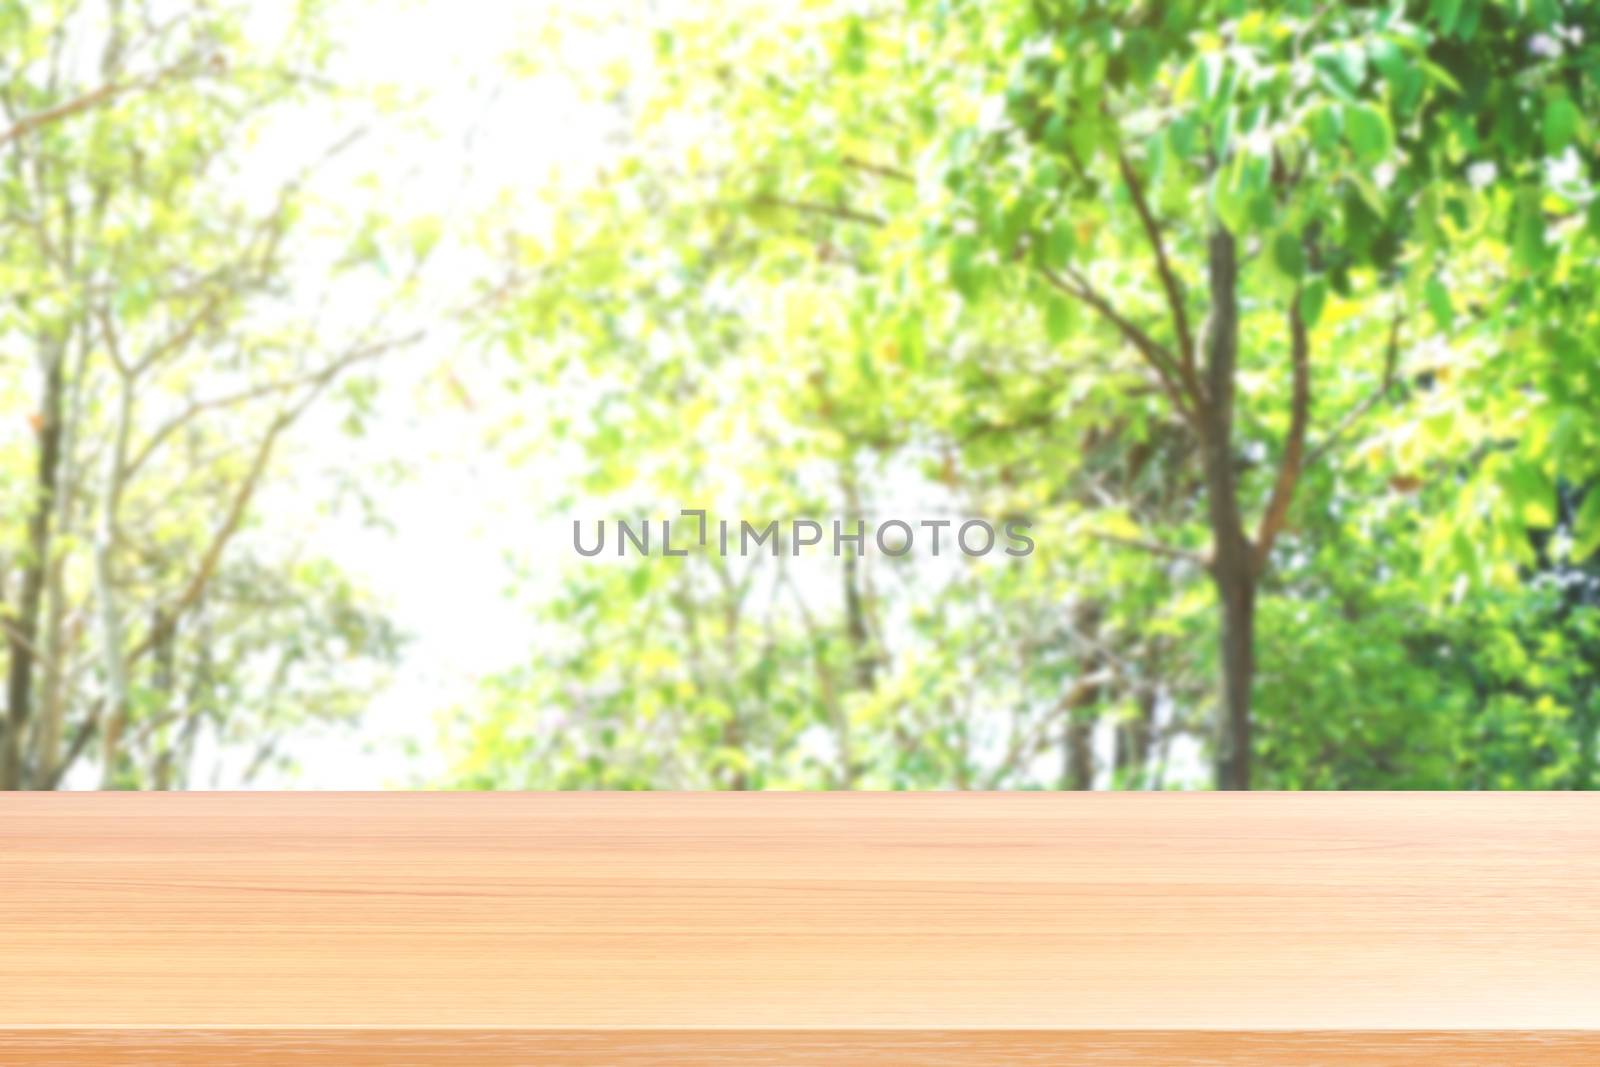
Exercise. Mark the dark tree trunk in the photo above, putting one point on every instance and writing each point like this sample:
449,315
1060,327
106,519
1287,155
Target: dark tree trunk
1077,771
1233,557
1134,742
22,634
1236,592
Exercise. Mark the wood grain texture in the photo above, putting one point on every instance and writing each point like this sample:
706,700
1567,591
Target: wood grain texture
787,928
795,1048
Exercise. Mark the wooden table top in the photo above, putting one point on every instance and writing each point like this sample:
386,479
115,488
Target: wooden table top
800,928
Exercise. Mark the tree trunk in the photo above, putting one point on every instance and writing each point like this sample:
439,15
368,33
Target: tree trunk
1237,595
1233,558
49,729
22,633
1134,742
105,592
1082,703
1077,771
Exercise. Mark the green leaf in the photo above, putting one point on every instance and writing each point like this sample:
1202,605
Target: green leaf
1440,75
1438,298
1327,126
913,342
1085,136
1183,136
1288,255
1445,13
1312,300
1057,318
964,273
1533,494
1561,120
1194,83
1231,204
1586,526
1055,251
1371,136
1342,68
1352,62
853,50
1014,222
1527,236
1224,79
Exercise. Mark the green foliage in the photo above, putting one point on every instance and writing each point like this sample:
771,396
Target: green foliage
162,355
1291,304
842,264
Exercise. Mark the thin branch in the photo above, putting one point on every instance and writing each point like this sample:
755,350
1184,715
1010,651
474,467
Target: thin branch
256,392
184,334
88,101
836,211
1391,361
224,532
1289,467
113,345
230,524
1169,280
40,119
80,741
1187,555
1041,420
893,174
1159,359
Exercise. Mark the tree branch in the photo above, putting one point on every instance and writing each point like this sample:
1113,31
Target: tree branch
1169,280
184,334
1159,359
230,524
224,532
1289,467
1158,548
51,778
893,174
1391,361
256,392
88,101
836,211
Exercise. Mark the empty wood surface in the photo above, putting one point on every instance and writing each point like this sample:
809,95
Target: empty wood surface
800,928
794,1048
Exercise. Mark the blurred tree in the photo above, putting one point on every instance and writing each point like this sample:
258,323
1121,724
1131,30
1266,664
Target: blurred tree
170,363
1291,298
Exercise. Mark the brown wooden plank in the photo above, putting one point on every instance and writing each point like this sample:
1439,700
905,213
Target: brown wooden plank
862,927
794,1048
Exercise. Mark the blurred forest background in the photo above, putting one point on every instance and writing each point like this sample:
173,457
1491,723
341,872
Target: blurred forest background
320,324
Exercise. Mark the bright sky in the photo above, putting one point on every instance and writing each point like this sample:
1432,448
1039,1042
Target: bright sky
456,511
